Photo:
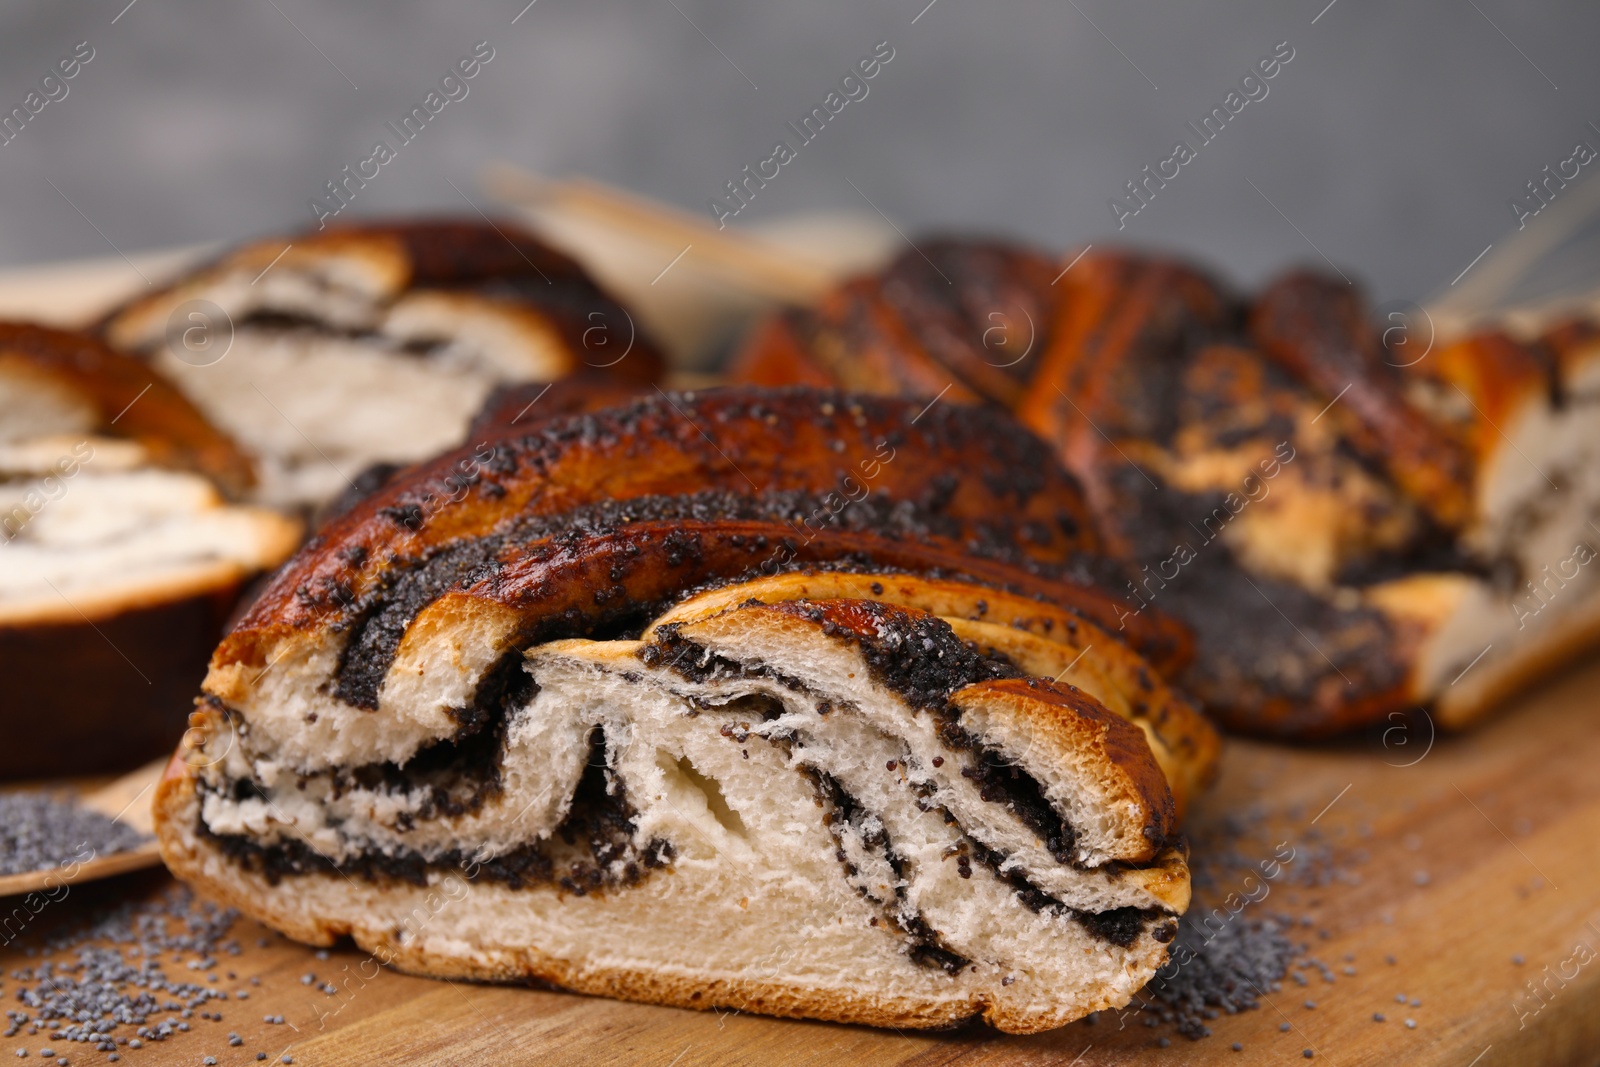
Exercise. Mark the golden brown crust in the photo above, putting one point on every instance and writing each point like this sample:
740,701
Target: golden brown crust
1317,327
596,517
980,310
868,348
130,400
960,318
1120,319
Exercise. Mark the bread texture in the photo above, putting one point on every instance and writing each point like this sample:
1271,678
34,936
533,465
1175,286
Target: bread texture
122,556
614,719
1351,527
326,352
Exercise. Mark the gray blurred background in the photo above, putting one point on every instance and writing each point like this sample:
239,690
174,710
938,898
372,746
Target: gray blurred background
1391,143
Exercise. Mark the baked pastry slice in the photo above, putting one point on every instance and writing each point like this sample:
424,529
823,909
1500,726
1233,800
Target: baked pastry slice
669,749
328,351
121,558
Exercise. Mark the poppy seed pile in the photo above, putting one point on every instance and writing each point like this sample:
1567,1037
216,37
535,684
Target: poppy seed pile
42,832
1222,972
1230,952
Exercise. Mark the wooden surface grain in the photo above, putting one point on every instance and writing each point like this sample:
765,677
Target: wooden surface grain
1455,856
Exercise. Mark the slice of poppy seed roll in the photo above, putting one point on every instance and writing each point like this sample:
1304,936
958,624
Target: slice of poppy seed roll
834,809
329,351
120,557
487,691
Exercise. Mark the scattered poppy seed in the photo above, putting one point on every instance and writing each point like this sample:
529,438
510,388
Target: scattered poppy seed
1283,1028
1518,960
120,983
1308,1054
1311,1005
1399,998
1411,1024
1416,1002
1377,1016
1238,1047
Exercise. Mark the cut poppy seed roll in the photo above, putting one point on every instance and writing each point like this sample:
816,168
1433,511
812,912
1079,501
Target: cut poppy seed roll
323,353
1353,522
633,718
120,560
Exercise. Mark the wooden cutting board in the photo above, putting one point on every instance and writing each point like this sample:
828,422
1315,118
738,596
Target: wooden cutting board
1458,857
